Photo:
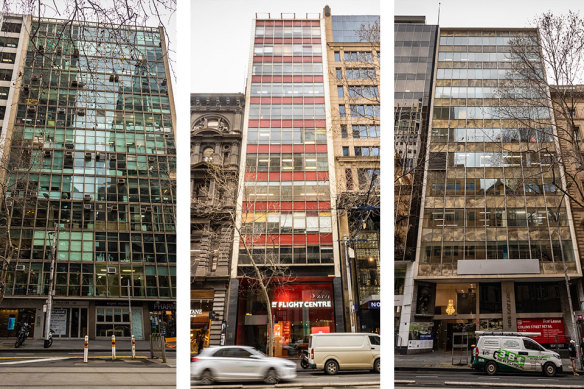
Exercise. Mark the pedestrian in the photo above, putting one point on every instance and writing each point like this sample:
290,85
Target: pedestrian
200,344
573,355
582,352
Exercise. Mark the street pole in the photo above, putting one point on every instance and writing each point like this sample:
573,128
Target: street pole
567,281
51,289
130,309
349,285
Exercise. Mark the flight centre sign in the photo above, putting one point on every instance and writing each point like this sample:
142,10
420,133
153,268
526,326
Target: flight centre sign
301,304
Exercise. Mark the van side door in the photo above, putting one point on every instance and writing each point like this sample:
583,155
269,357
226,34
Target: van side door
535,357
375,341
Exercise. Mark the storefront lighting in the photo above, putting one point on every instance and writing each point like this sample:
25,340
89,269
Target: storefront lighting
371,259
450,308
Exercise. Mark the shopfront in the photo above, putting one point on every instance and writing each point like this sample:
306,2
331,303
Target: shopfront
298,309
163,318
10,319
201,308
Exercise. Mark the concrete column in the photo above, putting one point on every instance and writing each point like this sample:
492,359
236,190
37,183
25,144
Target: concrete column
509,311
408,308
231,314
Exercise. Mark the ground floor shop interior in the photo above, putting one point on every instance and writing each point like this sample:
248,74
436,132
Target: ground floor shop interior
97,319
446,315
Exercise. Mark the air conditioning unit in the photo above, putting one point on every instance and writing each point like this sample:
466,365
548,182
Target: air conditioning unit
48,153
163,82
88,155
114,78
152,159
61,111
77,84
111,270
121,181
87,207
31,108
68,154
69,145
113,157
98,156
20,267
81,112
86,197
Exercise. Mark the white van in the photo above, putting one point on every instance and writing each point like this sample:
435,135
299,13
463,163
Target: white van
513,352
344,351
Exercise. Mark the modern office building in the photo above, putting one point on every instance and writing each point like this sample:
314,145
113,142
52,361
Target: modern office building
93,165
352,43
495,234
286,205
415,47
216,128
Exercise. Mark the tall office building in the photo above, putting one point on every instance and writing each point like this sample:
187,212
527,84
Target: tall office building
93,165
496,233
216,123
415,48
287,200
353,69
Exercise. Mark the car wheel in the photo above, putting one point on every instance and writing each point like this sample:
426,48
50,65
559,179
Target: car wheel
491,368
549,369
271,377
207,378
377,365
331,367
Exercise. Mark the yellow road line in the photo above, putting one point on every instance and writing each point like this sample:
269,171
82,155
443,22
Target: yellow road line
74,357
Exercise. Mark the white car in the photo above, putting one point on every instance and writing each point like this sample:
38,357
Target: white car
239,363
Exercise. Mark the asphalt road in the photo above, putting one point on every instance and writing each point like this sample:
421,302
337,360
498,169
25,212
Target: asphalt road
119,377
351,379
68,359
471,379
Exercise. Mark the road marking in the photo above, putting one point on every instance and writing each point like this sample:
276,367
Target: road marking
31,361
433,376
70,357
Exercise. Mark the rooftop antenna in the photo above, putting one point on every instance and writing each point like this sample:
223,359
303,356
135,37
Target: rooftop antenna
439,13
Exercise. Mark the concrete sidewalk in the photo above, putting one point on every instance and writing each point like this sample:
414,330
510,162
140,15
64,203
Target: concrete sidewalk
36,345
441,360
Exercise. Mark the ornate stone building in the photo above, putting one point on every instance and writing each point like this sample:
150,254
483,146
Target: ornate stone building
216,127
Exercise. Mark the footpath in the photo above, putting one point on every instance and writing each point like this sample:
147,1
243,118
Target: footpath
440,361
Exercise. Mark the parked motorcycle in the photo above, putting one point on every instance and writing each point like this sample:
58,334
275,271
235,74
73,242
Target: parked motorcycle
304,359
23,333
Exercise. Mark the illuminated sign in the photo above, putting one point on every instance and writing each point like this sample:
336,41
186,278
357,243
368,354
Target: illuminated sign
301,304
195,312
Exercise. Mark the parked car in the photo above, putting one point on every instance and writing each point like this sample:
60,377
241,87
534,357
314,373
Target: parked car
344,351
513,352
239,363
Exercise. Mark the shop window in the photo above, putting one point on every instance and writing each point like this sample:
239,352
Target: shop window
538,297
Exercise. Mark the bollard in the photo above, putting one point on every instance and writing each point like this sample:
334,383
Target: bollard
113,347
86,349
133,347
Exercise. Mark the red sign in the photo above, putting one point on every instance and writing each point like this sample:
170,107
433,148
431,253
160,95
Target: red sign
320,330
552,330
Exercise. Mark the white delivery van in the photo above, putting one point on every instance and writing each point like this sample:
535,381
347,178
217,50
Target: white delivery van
513,352
344,351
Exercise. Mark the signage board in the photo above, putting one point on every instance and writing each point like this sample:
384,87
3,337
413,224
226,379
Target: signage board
301,304
374,304
552,330
59,321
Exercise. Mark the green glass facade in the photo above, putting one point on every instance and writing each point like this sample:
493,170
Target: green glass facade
94,133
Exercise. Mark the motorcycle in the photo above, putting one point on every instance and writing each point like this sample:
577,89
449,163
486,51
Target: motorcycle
48,342
23,333
304,359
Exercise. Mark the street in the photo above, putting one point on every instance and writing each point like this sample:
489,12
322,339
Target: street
469,379
312,379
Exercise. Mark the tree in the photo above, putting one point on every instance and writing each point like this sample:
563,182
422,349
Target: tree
216,197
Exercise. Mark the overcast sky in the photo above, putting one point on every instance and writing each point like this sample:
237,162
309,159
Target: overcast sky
221,35
489,13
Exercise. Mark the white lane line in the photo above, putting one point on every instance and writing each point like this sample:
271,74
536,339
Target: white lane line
432,376
32,361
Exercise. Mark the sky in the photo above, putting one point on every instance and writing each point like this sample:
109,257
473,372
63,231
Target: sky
221,35
490,13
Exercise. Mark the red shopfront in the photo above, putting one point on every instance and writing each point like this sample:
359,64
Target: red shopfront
299,309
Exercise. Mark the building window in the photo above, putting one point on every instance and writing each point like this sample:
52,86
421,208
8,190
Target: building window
345,151
337,56
339,74
349,178
343,131
342,111
340,91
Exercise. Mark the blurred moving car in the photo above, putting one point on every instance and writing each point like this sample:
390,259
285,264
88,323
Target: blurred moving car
344,351
239,363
